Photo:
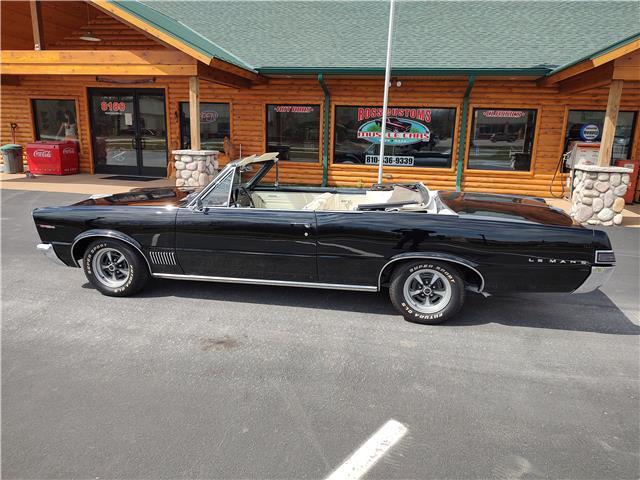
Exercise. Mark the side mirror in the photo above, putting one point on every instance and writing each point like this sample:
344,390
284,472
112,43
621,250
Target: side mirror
200,207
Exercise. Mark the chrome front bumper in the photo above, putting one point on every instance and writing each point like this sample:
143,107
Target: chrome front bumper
50,253
598,277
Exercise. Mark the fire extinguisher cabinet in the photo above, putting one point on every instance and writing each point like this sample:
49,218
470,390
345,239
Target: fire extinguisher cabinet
53,158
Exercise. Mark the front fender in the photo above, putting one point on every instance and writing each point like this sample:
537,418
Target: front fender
87,236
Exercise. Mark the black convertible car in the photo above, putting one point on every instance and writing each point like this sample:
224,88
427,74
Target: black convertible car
427,247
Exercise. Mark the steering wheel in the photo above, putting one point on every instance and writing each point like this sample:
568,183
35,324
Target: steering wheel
248,195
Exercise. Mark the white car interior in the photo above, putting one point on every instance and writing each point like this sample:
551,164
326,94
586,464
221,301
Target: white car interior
395,198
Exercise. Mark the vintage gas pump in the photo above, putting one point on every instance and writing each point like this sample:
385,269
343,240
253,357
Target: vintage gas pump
582,152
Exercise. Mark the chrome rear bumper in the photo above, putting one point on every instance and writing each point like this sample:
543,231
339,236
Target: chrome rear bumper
597,278
50,253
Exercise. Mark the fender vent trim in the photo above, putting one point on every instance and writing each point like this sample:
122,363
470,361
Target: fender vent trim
162,258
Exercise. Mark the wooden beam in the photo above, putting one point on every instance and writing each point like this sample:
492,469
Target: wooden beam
221,77
589,64
598,77
617,53
99,62
235,70
138,24
627,67
610,120
194,112
564,74
37,25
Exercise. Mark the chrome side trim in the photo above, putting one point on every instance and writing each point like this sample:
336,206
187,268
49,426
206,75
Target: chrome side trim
108,234
598,277
432,256
50,253
256,281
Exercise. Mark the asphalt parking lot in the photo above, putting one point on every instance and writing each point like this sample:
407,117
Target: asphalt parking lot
197,380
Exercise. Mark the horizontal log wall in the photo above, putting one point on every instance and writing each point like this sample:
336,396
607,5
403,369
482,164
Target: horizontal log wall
248,123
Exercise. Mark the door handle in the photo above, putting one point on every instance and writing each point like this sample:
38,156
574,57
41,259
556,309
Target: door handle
305,225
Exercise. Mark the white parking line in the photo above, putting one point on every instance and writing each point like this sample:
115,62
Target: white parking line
370,452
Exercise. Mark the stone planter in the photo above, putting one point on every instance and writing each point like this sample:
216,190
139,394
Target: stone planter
598,194
195,168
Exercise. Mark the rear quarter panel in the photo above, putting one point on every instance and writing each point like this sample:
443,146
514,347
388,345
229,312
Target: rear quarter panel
511,256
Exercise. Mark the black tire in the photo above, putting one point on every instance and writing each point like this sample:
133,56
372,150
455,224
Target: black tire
447,291
125,281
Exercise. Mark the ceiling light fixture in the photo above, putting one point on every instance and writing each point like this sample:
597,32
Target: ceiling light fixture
88,37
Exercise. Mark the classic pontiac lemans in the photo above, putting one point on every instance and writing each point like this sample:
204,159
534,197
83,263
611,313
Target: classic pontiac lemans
427,247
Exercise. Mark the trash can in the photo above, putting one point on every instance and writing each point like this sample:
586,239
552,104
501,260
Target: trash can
12,158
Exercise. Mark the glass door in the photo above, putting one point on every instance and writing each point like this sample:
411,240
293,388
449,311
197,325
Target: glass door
129,132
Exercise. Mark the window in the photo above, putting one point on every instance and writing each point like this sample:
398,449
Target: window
586,125
501,139
214,125
415,136
294,131
55,119
219,195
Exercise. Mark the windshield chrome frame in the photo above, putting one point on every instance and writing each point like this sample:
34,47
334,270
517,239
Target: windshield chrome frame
228,169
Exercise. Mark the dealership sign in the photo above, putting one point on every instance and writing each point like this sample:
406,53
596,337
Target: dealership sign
404,125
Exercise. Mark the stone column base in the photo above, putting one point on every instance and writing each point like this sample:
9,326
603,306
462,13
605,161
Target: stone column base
195,168
598,194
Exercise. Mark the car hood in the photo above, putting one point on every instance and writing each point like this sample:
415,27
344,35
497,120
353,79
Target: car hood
160,196
504,207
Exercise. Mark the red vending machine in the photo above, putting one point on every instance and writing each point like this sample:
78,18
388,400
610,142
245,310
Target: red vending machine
53,158
631,189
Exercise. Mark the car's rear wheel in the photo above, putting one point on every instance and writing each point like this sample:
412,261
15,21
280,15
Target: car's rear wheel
427,292
114,268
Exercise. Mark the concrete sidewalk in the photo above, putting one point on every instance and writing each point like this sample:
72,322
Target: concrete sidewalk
81,183
91,184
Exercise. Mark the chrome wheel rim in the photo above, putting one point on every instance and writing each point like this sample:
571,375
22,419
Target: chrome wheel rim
111,267
427,291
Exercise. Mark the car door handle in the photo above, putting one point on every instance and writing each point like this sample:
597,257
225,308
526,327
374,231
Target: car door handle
305,225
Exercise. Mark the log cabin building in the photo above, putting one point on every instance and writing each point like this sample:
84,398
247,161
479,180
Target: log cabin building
485,96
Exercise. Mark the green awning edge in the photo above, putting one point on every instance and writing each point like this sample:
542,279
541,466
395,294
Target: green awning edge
598,53
179,31
497,72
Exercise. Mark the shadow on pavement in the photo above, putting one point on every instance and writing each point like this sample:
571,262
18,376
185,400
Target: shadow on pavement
593,312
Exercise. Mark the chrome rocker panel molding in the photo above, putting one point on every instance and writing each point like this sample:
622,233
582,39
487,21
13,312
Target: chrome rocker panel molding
108,234
256,281
436,256
49,252
599,276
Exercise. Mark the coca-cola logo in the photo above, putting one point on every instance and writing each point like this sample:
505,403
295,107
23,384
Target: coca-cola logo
42,153
68,151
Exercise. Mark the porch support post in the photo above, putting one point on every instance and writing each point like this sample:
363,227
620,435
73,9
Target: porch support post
37,25
610,120
325,137
194,112
462,142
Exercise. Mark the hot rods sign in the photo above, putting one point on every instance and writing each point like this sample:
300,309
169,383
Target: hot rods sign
404,126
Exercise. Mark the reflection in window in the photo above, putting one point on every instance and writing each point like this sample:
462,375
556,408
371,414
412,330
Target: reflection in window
415,136
55,119
587,125
214,125
219,195
501,139
294,131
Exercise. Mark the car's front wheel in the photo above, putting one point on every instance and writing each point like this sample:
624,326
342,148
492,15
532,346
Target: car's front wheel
114,268
426,291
